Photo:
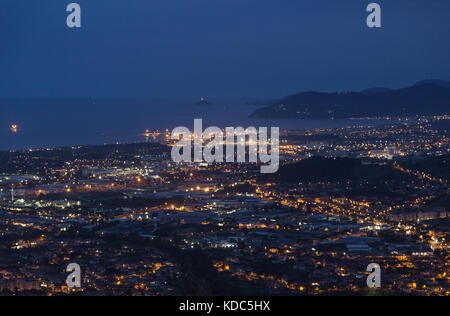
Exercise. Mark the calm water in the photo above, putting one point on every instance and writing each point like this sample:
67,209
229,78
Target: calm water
82,122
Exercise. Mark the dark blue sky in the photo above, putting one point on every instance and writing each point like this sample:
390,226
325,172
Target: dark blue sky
222,48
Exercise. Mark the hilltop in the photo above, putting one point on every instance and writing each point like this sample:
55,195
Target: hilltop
428,97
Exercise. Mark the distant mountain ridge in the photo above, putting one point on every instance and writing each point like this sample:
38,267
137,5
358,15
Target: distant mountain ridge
427,97
441,83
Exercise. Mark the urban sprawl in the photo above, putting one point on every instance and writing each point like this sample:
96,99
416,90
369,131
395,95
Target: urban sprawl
138,223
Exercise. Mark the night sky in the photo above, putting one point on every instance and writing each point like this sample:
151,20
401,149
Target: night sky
218,48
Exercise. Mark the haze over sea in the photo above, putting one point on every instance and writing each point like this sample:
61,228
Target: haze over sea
44,124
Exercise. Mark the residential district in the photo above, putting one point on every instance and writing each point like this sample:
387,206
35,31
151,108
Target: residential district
139,224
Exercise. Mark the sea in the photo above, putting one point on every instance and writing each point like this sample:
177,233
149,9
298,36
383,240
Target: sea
70,122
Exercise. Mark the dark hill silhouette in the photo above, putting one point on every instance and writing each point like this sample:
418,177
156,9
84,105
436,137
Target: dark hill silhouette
436,166
429,97
440,83
319,169
442,202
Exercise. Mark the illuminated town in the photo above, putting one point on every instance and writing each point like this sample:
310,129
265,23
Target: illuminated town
139,224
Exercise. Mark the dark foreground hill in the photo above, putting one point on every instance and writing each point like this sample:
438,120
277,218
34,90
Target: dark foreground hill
319,169
429,97
436,166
